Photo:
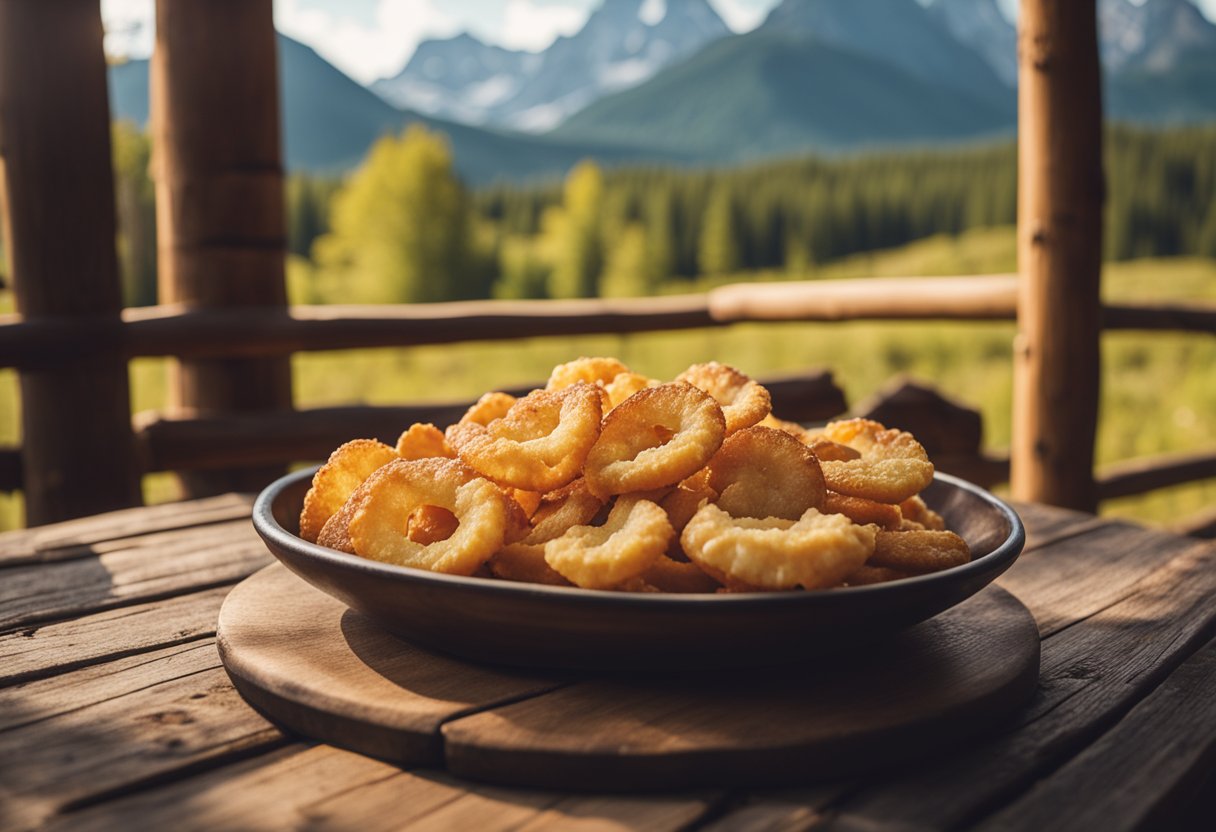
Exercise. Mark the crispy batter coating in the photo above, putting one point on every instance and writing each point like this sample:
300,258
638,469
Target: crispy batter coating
524,562
489,407
893,466
602,557
667,575
377,528
862,511
599,371
423,440
867,575
655,438
816,551
828,451
539,445
429,524
744,401
920,551
763,472
625,385
915,510
572,505
337,479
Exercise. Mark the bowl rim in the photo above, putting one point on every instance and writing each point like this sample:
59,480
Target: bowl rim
275,535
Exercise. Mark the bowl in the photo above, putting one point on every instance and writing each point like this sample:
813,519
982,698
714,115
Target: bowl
527,625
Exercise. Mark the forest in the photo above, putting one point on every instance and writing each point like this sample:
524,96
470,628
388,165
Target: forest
403,228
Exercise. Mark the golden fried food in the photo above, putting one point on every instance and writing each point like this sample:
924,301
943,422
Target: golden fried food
489,407
529,501
599,371
525,563
572,505
919,551
744,401
825,450
655,438
539,445
914,509
602,557
625,385
893,466
868,575
423,441
377,528
429,524
337,479
667,575
762,472
816,551
863,511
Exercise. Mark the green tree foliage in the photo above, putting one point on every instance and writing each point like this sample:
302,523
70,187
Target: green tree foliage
572,232
400,228
718,249
135,201
308,206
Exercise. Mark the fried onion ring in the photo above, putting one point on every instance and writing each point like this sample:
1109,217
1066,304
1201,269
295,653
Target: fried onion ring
764,472
479,506
868,575
667,575
602,557
744,401
524,562
914,509
893,465
423,440
539,445
348,466
489,407
625,385
599,371
862,511
430,524
559,510
816,551
920,551
655,438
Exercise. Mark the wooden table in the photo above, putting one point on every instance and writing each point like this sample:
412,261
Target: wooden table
116,713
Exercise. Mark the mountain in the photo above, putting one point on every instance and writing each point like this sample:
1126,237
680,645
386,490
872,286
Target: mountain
1156,36
770,92
458,78
623,43
330,121
981,25
901,33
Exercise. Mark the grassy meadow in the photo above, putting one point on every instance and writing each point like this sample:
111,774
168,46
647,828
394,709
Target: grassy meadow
1158,389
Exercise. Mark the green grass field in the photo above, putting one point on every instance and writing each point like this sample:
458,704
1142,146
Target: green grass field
1158,389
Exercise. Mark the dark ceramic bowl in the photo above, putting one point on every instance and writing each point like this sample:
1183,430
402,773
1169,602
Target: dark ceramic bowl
500,622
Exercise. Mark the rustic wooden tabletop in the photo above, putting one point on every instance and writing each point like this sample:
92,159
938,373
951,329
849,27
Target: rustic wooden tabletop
116,713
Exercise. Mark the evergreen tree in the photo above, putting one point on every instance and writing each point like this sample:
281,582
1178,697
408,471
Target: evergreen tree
574,234
718,248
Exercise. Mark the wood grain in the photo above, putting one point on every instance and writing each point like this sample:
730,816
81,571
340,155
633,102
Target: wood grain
131,573
1060,193
118,727
56,171
1167,739
1135,476
319,669
79,538
36,652
1092,673
221,229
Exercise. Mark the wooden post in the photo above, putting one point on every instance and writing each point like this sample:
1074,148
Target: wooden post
219,189
1060,194
77,447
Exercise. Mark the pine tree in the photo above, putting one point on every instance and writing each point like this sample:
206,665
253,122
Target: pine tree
718,248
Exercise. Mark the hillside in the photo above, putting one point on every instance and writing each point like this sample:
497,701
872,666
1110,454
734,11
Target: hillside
769,93
330,121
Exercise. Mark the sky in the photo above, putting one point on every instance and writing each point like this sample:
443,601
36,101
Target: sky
370,39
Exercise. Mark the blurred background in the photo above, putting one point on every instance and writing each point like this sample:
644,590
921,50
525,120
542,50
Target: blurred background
581,148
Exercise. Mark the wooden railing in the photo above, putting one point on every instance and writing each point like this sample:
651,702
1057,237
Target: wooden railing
220,229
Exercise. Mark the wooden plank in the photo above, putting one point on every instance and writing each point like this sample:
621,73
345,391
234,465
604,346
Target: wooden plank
77,538
1093,672
767,726
1135,476
1060,191
188,561
1076,576
58,186
1173,317
221,228
1050,524
980,297
784,810
37,652
146,722
1202,525
1168,740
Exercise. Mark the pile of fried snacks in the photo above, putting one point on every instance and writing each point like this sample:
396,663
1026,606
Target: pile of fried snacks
607,479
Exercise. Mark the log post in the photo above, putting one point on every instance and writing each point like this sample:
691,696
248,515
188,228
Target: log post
1060,194
77,447
219,189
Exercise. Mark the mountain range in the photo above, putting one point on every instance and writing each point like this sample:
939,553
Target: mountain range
664,81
